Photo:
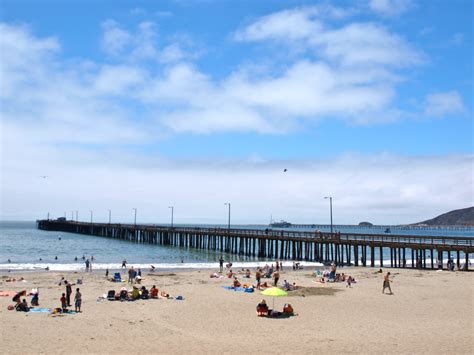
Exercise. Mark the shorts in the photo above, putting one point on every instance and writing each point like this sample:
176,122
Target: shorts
258,279
78,303
386,284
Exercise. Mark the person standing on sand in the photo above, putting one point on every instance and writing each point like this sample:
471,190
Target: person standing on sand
77,301
221,263
276,277
386,283
131,275
87,264
258,275
68,292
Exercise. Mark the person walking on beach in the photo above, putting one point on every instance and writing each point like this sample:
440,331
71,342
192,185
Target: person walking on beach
221,263
258,275
77,301
386,283
87,264
124,264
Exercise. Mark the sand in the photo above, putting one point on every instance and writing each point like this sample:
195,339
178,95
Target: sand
430,312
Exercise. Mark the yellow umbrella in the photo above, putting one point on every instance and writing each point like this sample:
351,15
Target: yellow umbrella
274,292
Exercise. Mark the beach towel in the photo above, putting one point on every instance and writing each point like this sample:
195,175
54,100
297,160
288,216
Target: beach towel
238,288
7,293
40,310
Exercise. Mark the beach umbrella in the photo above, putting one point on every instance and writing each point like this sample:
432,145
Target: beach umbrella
274,292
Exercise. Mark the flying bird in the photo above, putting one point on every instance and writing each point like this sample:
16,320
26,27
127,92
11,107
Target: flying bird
43,176
285,170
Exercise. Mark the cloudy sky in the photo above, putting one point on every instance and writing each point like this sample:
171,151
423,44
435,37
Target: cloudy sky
192,104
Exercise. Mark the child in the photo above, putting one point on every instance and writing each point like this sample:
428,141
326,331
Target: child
35,298
77,301
63,302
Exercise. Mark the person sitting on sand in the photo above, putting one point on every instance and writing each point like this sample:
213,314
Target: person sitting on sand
288,309
230,274
35,297
287,286
153,292
123,294
164,294
349,281
135,293
262,308
386,283
236,282
22,307
247,274
145,294
228,265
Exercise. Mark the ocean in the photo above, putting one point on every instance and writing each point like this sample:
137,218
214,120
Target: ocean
24,247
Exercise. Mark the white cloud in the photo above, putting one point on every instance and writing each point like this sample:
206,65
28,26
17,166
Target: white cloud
115,39
390,7
444,103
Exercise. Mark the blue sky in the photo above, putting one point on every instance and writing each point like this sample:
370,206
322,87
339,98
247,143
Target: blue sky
191,94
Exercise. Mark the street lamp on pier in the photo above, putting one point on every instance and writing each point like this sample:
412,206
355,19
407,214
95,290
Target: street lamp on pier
228,219
330,208
135,220
172,215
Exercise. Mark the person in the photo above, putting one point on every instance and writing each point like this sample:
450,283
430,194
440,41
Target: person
153,292
92,258
262,308
152,268
145,294
17,297
68,292
386,283
236,282
258,275
35,297
22,306
276,277
55,258
221,263
247,274
77,300
230,274
123,294
440,264
87,264
228,265
63,302
124,264
140,272
75,259
281,266
135,293
288,309
349,281
131,273
107,272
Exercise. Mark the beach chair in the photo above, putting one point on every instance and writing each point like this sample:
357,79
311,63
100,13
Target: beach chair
111,295
117,277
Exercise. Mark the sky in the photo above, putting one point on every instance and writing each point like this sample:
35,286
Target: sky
194,104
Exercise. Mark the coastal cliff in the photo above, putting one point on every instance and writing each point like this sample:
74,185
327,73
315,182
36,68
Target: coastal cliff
462,217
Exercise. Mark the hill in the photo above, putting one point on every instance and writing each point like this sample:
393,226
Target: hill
462,217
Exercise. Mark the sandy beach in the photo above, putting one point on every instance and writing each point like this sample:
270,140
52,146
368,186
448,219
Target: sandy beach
429,312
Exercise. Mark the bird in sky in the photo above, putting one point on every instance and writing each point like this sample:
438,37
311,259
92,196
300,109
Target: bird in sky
43,176
285,170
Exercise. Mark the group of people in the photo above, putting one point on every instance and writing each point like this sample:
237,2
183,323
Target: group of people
21,305
134,276
263,310
136,293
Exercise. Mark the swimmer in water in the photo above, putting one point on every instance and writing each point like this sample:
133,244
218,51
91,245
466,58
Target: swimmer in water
41,259
9,261
55,258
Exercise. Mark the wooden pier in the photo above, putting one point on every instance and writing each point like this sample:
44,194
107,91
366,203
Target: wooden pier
411,251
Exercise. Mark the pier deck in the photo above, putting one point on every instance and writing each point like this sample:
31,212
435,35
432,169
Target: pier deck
343,248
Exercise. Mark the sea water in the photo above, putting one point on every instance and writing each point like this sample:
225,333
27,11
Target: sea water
24,247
